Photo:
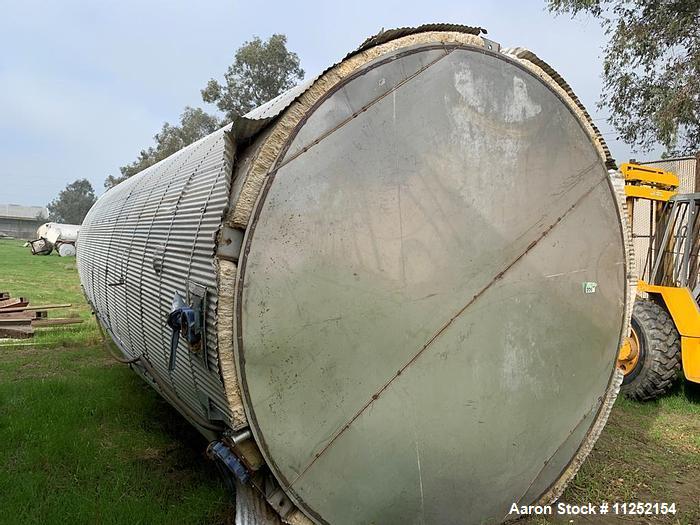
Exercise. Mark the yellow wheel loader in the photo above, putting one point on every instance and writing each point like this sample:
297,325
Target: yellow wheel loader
665,331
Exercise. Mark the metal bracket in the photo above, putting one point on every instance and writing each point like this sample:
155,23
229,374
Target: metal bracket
273,493
491,45
230,245
214,413
197,297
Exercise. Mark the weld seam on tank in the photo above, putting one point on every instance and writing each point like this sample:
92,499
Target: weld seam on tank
474,299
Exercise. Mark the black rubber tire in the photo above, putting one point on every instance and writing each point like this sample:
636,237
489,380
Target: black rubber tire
660,352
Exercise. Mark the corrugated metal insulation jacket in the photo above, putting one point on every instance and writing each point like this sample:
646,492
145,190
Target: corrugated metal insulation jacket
408,278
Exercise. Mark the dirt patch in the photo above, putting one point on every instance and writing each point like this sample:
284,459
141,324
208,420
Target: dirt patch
647,453
681,490
158,455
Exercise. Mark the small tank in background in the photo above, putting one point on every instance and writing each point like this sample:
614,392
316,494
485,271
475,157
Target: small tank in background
55,236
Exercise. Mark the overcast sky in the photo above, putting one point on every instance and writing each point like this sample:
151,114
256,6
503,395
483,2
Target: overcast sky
85,85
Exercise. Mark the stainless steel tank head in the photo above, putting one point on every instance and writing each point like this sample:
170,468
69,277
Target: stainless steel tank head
393,294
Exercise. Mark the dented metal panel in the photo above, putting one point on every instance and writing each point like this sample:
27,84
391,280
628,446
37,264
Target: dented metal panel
252,122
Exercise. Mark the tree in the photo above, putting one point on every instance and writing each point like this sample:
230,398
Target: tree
260,71
651,69
195,123
73,203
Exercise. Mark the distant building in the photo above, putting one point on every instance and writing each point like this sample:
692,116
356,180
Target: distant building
21,222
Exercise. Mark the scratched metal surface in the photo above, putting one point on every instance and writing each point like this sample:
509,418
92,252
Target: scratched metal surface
417,345
258,118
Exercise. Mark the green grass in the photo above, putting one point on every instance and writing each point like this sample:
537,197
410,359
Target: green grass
648,452
84,440
47,280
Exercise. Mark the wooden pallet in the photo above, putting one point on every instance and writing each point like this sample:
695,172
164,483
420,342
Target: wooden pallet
18,319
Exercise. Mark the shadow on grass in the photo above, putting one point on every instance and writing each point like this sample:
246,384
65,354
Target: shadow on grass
689,390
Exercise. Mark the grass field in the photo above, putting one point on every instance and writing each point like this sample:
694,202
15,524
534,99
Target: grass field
84,440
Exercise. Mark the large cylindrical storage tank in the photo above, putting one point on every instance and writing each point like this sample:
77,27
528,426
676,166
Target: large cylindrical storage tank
403,284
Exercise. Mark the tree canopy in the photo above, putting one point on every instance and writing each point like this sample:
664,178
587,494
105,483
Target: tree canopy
195,123
651,68
261,70
72,203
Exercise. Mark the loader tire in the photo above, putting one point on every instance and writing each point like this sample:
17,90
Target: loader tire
659,352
